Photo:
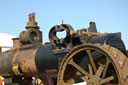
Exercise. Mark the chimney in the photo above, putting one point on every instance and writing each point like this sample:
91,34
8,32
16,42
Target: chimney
16,44
32,22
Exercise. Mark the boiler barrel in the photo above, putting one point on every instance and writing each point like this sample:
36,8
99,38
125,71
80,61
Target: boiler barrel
36,59
46,59
29,61
6,63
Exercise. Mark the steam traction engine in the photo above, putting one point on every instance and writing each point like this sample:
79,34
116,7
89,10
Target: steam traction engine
82,56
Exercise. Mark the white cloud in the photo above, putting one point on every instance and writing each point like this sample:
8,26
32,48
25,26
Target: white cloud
6,40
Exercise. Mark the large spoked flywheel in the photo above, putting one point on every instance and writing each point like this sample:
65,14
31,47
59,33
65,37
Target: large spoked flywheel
93,64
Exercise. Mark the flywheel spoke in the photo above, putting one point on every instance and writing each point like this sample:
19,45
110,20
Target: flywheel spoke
91,60
79,68
106,68
90,71
99,71
84,78
107,80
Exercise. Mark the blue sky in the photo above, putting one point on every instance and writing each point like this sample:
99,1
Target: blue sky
110,15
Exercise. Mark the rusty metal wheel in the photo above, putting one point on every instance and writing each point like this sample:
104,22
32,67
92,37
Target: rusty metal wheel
93,64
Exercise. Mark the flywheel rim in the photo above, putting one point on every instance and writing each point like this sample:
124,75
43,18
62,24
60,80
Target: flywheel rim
68,57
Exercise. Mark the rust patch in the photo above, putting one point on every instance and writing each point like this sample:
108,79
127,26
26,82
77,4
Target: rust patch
114,52
121,59
125,69
27,61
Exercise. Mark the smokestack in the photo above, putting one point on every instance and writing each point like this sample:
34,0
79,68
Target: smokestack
32,22
92,27
16,44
